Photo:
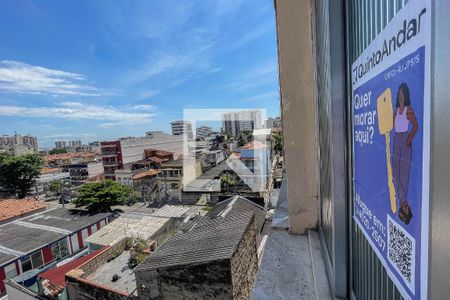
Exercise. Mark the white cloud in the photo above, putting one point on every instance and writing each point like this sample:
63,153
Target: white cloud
19,77
144,107
80,111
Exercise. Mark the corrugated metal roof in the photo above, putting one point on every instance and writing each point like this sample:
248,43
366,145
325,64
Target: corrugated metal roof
127,226
67,219
171,211
208,240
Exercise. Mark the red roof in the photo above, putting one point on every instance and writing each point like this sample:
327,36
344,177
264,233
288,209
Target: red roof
14,208
58,275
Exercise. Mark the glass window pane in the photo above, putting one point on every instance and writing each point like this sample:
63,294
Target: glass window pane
36,259
26,265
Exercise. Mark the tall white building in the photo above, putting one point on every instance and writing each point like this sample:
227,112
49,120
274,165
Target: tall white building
18,144
67,144
233,123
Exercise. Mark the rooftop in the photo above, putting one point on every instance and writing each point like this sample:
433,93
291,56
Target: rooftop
25,235
264,131
127,225
56,276
171,211
208,240
119,265
145,174
46,170
173,164
239,204
16,208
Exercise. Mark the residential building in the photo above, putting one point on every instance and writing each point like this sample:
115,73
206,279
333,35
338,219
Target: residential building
182,128
273,122
116,154
145,185
18,144
125,175
130,225
213,158
40,239
47,176
67,144
81,173
256,157
203,132
233,123
265,136
174,175
215,259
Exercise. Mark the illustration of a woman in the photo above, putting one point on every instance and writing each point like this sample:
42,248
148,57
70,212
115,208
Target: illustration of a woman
402,152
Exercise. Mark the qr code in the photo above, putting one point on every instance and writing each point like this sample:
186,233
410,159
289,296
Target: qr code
401,252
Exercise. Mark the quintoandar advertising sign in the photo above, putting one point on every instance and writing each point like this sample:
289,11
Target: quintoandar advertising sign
391,100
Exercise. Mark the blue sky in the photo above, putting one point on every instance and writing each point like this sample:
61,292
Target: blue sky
96,70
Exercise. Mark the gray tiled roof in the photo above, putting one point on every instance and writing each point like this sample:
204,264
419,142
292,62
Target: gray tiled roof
30,233
238,204
208,240
66,219
24,238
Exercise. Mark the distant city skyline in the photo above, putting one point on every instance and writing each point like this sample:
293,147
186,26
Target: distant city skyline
128,68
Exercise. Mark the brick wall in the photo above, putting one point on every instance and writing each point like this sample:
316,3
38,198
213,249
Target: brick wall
244,264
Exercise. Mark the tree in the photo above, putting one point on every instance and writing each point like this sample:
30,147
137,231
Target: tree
57,151
226,181
19,173
278,143
55,187
243,138
100,196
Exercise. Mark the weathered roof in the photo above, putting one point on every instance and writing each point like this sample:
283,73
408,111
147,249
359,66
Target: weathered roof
18,240
171,211
57,275
127,225
67,219
263,131
209,240
145,174
172,163
25,235
237,204
15,208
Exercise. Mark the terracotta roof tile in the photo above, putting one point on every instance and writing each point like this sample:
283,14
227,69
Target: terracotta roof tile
14,208
145,174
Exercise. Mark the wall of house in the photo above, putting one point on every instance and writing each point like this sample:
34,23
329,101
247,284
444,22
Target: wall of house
200,281
244,265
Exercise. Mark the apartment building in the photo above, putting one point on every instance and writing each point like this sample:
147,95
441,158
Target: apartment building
18,144
116,154
83,172
67,144
203,132
233,123
182,128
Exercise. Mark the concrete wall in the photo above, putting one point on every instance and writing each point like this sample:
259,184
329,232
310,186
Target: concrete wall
201,281
244,265
298,106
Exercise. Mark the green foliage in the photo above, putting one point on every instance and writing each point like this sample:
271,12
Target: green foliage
278,142
243,138
55,187
19,173
57,151
100,196
138,254
227,181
